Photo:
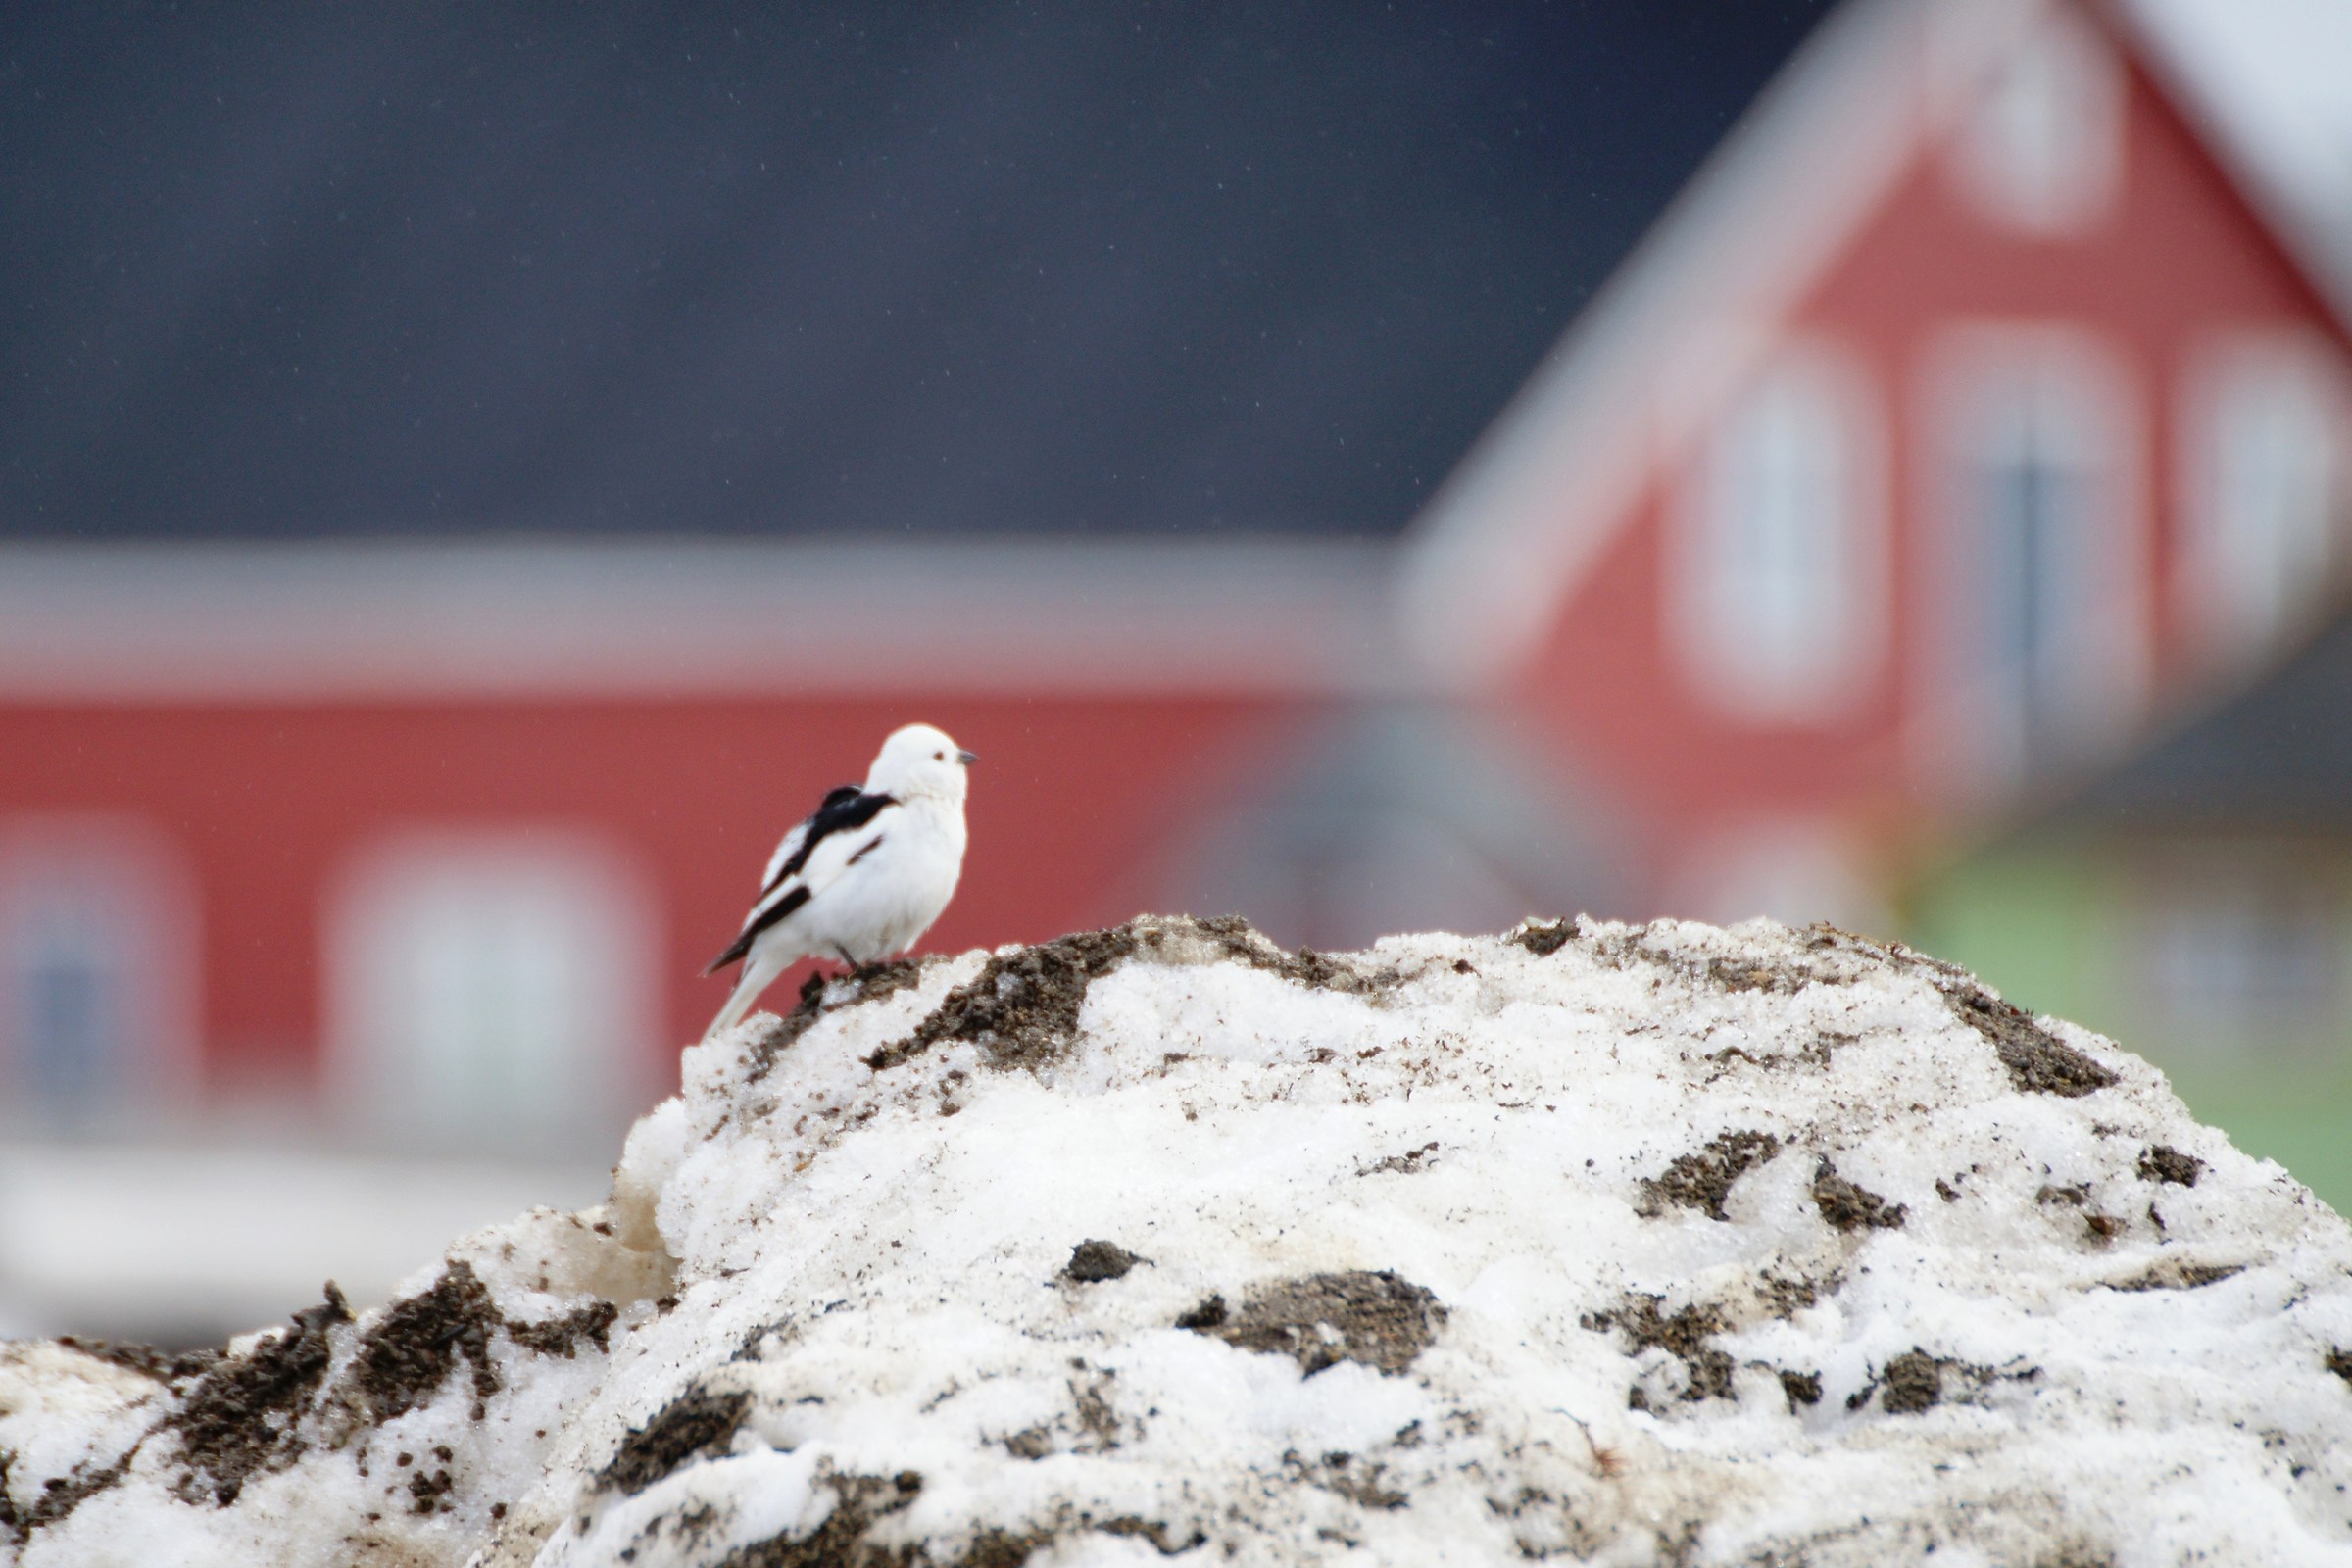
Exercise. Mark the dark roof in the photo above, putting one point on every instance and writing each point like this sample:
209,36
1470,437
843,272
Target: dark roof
295,269
2278,755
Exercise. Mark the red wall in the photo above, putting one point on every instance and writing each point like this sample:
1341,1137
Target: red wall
2181,254
1072,802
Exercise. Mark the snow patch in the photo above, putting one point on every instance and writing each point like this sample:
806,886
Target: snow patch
1611,1244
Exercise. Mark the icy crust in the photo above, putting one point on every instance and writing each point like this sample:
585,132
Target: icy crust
1625,1245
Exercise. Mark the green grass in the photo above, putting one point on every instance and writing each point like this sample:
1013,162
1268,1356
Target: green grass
2302,1118
2042,928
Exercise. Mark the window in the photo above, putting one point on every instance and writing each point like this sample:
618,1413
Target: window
2044,598
2033,487
2262,445
1776,585
491,988
2042,149
97,965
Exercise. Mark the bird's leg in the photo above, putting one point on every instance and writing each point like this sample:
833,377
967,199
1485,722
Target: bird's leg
863,972
858,971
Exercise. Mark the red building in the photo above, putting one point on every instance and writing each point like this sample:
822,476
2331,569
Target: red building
1968,415
450,833
1965,417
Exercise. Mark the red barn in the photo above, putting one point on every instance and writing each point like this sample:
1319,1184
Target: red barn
1968,415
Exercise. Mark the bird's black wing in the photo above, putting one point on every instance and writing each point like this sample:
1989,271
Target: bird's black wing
845,811
795,841
768,915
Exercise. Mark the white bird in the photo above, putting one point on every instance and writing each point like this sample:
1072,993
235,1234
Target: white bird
864,875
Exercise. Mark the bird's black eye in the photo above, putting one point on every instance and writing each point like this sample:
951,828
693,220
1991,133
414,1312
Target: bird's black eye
939,756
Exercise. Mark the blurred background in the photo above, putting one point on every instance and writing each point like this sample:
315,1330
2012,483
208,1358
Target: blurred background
470,475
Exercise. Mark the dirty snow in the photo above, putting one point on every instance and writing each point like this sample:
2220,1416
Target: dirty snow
1622,1244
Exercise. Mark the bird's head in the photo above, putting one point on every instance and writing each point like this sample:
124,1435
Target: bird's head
921,760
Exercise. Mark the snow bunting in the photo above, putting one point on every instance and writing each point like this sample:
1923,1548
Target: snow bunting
864,875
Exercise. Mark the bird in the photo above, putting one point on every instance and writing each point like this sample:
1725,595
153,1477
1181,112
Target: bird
864,875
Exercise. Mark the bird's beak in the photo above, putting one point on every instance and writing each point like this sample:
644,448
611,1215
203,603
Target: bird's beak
966,759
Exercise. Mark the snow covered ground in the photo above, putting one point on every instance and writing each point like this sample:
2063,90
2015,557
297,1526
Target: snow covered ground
1623,1245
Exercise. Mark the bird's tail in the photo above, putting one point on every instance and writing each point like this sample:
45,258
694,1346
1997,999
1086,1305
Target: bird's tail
756,978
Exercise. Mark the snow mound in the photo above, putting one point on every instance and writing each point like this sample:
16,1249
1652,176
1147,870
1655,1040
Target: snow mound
1623,1245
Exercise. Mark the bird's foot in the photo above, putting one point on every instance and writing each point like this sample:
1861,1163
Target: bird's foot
881,968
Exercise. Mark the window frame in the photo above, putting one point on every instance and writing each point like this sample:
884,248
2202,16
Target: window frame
1972,737
2229,630
377,1068
2079,73
1712,641
136,880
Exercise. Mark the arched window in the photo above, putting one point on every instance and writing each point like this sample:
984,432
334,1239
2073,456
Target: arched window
491,988
2041,148
2262,458
1775,586
97,971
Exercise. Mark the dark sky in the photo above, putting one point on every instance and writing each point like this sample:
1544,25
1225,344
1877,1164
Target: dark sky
362,268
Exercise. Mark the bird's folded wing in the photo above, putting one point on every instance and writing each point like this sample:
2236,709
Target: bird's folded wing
837,800
812,855
775,907
828,856
785,848
820,864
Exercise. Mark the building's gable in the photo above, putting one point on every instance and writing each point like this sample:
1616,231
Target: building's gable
1925,522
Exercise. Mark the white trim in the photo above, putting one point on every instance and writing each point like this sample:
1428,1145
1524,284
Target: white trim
260,621
2317,236
1794,869
2041,148
1813,668
230,1222
2238,623
1513,528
